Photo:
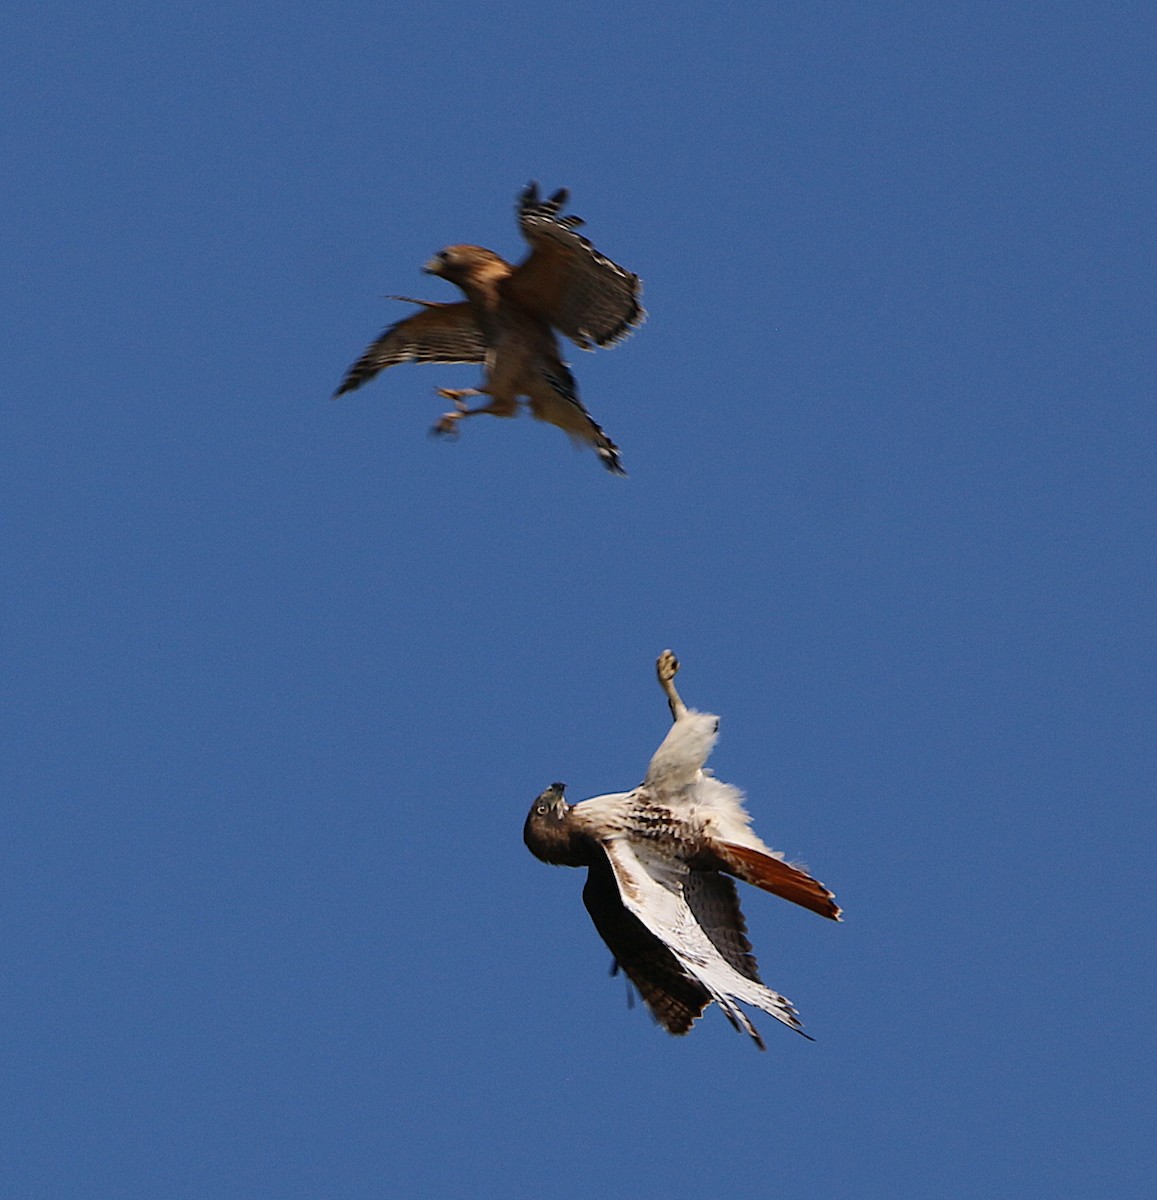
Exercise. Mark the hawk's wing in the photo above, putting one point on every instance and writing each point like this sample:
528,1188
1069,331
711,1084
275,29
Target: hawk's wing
445,333
652,888
674,997
567,282
714,903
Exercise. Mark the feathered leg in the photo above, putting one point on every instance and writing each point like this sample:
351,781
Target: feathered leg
448,422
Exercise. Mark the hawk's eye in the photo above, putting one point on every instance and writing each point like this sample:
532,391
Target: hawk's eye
540,808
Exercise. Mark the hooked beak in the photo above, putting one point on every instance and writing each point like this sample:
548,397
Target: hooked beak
553,795
433,267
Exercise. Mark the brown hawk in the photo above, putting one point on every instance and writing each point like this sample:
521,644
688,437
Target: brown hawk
658,887
508,322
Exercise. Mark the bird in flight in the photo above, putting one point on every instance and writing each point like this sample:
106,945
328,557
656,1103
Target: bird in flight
508,321
659,864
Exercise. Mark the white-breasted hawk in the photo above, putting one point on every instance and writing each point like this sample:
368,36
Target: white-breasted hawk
659,862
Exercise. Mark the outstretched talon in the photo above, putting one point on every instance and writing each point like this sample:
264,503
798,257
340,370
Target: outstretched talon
666,667
446,425
458,396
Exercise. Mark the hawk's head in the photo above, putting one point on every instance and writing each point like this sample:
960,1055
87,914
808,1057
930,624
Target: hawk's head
552,804
547,831
467,264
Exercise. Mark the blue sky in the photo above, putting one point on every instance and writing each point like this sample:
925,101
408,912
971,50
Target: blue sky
284,674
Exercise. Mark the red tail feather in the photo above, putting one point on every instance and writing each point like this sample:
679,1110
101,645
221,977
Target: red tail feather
779,878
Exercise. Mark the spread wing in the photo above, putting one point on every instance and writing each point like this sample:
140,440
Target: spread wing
714,903
567,282
673,996
653,889
445,333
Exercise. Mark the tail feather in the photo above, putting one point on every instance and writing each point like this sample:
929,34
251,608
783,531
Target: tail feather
780,878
